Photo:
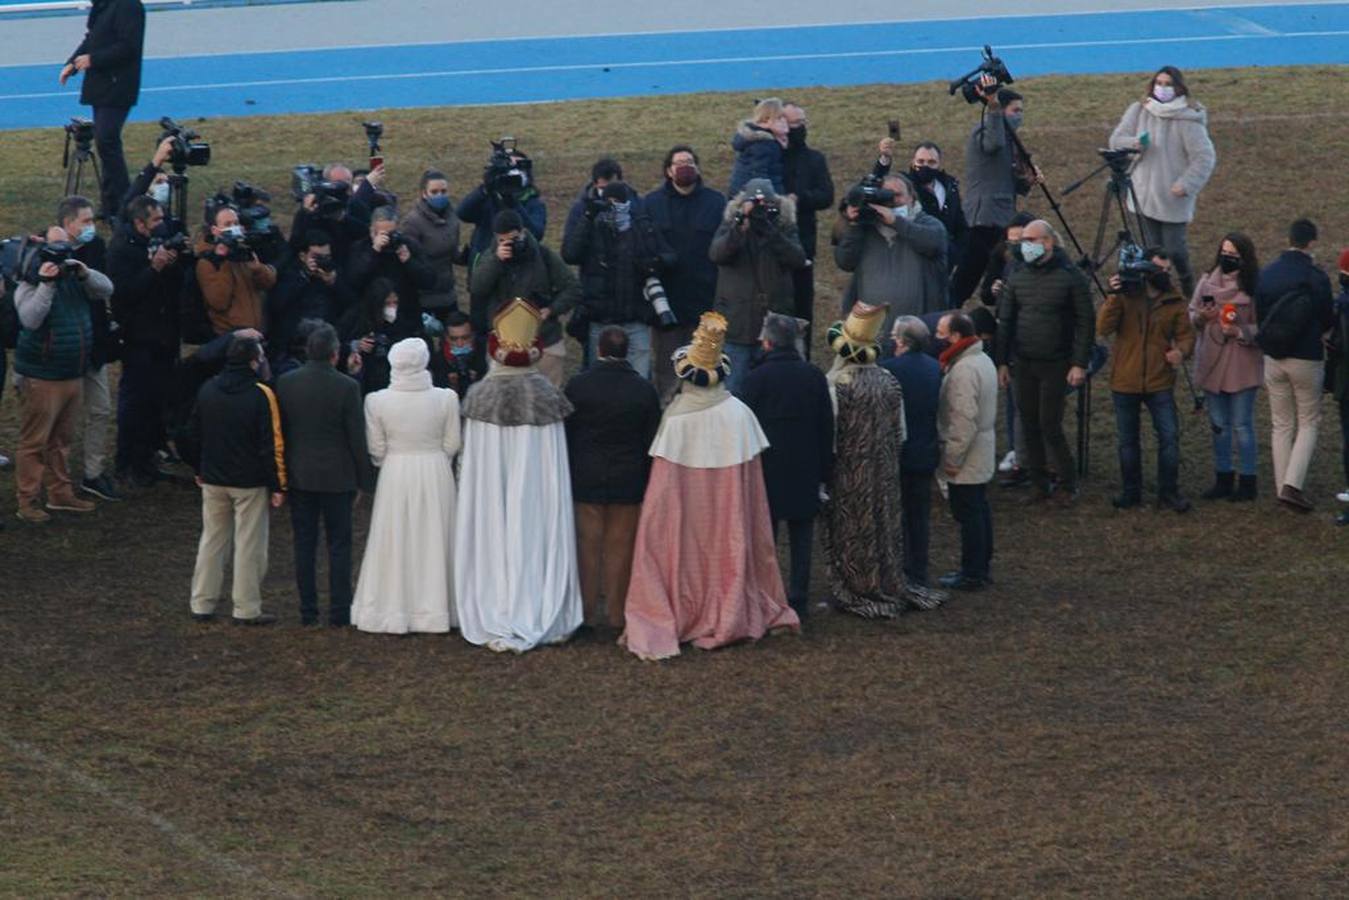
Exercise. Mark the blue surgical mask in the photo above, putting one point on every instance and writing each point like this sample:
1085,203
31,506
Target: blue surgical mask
438,202
1013,120
462,352
87,234
160,192
901,212
233,231
1031,251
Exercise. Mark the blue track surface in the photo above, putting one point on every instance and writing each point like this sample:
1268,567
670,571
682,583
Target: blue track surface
522,70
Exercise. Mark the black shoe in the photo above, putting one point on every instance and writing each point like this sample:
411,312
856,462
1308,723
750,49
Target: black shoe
203,617
1174,502
1245,490
259,619
1126,501
100,487
957,581
1222,486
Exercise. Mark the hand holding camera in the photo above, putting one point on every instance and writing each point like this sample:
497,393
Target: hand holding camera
162,258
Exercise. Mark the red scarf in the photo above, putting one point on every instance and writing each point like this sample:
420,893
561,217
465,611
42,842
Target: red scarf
949,355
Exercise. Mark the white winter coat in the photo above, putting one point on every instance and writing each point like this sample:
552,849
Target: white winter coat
1179,152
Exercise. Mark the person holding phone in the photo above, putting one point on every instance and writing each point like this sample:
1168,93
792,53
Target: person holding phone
1228,364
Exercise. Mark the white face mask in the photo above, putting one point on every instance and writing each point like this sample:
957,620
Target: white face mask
390,314
901,212
1164,93
160,192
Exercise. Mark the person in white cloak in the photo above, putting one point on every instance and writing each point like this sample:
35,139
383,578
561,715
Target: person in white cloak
407,580
516,583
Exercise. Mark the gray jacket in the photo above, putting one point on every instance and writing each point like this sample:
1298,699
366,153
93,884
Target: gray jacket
903,267
438,238
990,184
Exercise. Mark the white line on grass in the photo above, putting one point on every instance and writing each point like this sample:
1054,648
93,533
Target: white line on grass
223,864
643,64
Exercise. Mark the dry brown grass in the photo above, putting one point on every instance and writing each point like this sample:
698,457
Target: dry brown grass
1146,705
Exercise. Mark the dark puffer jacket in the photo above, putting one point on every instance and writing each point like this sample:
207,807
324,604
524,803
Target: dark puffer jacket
540,276
1045,313
614,265
757,155
754,269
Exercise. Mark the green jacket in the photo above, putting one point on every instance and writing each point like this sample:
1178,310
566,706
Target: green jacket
1045,313
541,277
56,336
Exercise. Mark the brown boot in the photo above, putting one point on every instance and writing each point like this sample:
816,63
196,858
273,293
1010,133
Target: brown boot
70,503
32,514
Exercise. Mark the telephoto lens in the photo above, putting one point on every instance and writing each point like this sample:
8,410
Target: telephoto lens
654,292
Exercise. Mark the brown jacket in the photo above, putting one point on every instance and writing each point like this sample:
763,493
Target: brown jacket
233,291
1145,328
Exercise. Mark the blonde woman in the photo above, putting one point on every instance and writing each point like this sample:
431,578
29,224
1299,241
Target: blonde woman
759,143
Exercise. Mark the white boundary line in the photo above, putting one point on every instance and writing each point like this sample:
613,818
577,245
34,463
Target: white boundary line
793,57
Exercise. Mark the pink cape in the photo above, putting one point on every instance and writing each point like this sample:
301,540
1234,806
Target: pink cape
705,566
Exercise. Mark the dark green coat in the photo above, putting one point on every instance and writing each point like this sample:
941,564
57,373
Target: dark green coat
541,277
1045,314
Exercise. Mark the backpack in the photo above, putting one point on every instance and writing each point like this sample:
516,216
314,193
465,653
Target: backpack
1286,322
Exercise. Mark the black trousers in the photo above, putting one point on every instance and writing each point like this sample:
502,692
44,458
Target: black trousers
108,122
915,496
979,243
142,405
969,507
1041,393
306,507
800,538
803,290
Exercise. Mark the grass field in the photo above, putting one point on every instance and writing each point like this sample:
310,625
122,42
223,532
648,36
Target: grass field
1146,705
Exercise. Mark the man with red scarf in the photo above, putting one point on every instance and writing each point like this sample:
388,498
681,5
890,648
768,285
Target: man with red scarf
967,414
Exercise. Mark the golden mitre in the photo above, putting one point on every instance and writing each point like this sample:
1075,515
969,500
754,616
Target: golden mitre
864,323
708,339
517,325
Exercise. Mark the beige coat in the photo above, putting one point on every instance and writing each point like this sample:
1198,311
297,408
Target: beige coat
967,413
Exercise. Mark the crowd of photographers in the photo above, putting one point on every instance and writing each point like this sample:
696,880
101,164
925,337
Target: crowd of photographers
914,239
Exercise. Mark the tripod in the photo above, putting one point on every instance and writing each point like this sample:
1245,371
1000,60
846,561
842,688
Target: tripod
1117,188
83,137
176,207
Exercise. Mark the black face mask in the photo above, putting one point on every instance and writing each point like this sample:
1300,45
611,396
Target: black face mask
923,174
796,137
1229,264
1014,251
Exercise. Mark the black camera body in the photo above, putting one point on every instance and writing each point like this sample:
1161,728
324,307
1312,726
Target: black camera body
373,132
1134,266
507,172
81,131
869,190
396,240
968,83
178,242
324,262
519,246
188,149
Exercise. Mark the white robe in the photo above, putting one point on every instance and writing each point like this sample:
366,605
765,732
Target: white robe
407,574
515,539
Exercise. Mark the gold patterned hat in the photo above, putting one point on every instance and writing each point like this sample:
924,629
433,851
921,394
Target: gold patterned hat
515,332
854,338
702,361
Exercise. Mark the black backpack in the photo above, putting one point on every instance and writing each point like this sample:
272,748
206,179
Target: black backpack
1286,322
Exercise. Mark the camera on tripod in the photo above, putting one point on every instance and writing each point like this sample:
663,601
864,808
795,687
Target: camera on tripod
81,131
188,149
968,83
507,171
1120,160
869,190
1134,266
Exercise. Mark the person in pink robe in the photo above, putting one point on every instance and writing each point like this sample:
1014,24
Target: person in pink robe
705,566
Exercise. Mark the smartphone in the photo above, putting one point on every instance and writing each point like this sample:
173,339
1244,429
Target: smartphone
376,162
894,129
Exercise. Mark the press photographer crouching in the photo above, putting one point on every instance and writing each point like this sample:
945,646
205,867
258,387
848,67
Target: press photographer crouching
1151,324
53,303
756,249
895,250
233,281
147,269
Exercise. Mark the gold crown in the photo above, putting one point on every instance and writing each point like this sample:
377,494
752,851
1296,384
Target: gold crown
708,339
863,323
517,325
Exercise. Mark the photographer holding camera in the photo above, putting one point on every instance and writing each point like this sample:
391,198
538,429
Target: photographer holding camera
310,287
507,184
386,253
756,249
232,279
996,173
110,59
56,333
895,250
938,191
330,205
1151,324
522,267
617,249
147,274
153,180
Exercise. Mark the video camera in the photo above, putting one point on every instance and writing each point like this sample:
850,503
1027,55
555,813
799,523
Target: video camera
1120,160
21,257
869,190
331,196
507,172
188,148
968,83
81,131
254,214
1134,266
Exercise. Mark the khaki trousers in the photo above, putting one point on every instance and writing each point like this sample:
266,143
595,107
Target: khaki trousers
47,424
553,362
237,516
97,416
605,535
1294,387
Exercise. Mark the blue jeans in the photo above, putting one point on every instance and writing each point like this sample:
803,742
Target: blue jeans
1162,406
740,356
639,344
1233,414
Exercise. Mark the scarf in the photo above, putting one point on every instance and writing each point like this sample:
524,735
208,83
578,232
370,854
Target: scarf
1158,108
948,356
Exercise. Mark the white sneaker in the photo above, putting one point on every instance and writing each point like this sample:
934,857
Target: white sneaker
1009,462
1343,496
4,461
